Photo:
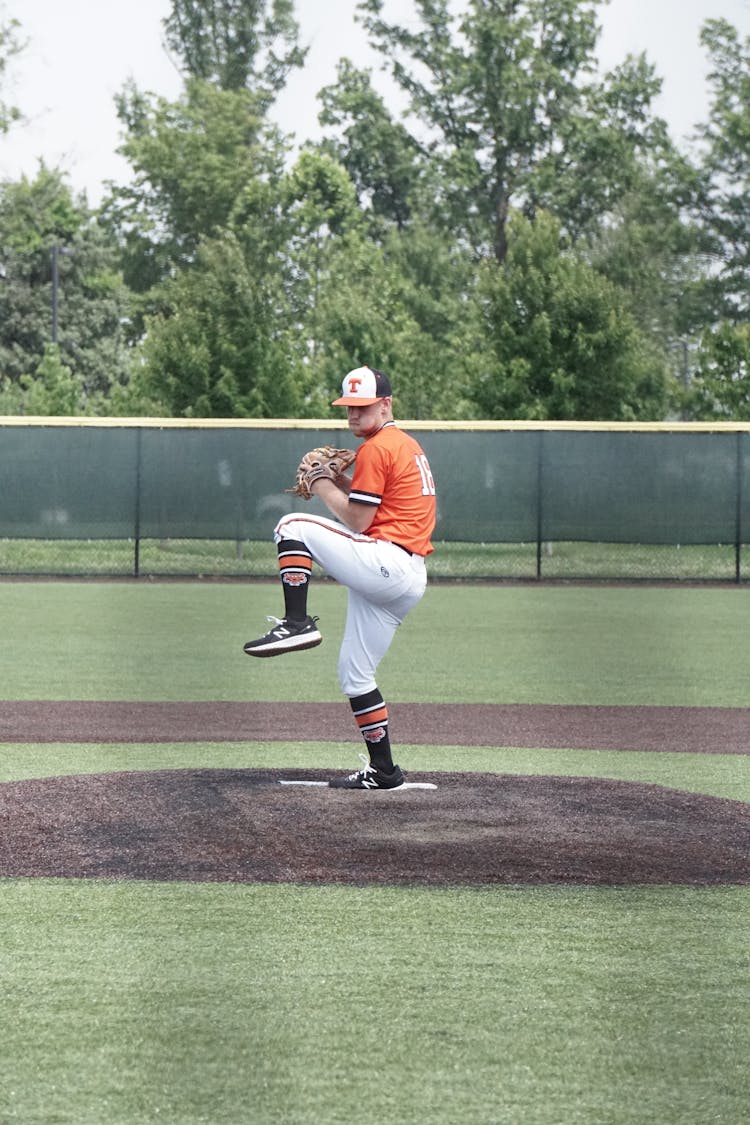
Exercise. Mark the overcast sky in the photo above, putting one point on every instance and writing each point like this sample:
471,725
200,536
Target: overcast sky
80,54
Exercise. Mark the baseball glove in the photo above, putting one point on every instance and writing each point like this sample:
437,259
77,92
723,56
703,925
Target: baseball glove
324,461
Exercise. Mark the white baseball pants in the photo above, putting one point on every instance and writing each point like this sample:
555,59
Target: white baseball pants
384,583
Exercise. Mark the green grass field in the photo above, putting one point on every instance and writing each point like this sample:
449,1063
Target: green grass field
200,558
143,1002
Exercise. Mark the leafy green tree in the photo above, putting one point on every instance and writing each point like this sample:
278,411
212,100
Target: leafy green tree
605,150
656,254
505,115
726,141
316,212
193,160
53,389
504,112
216,350
10,45
364,315
384,161
433,281
209,229
39,219
561,343
721,387
392,302
236,44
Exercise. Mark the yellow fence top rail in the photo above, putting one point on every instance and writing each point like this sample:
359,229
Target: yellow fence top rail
341,424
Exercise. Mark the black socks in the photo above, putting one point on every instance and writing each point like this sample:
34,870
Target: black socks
371,715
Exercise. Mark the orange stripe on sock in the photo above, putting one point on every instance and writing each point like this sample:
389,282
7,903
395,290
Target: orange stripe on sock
296,562
369,718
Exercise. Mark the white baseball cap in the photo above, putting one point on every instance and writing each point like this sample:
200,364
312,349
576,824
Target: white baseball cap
362,387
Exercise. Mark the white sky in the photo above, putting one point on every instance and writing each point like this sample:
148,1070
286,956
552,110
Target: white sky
80,53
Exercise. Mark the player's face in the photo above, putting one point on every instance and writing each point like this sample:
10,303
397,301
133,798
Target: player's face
367,420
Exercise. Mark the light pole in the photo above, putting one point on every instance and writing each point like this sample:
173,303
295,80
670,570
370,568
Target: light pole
56,252
55,287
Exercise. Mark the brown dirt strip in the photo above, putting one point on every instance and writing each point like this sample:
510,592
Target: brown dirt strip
243,826
705,730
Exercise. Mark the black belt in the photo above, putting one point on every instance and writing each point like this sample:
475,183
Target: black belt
403,548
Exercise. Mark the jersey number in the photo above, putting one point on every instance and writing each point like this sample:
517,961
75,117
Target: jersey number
428,484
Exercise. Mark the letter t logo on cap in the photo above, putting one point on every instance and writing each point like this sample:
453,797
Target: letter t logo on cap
363,386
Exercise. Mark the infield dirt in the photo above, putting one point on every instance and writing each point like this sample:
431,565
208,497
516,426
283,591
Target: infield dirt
475,829
243,826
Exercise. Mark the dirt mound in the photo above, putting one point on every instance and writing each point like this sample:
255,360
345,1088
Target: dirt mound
244,826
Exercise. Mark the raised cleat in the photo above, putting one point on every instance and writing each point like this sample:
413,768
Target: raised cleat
286,636
369,777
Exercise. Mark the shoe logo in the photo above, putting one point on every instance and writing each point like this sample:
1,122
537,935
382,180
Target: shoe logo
384,572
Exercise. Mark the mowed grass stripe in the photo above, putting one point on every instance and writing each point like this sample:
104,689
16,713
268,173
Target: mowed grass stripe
478,644
155,1002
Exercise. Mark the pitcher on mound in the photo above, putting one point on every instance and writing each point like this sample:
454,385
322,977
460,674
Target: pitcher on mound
376,544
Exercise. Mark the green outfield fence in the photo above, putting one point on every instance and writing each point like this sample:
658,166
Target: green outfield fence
516,500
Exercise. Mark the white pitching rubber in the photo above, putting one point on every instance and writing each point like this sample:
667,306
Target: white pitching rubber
406,785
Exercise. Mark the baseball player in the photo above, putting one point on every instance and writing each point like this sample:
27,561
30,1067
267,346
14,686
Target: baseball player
375,546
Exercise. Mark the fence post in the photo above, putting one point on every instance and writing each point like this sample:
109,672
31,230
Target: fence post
539,513
738,511
137,512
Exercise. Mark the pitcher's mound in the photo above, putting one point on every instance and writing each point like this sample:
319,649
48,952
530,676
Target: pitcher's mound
243,826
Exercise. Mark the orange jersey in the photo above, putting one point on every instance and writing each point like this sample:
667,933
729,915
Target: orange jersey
393,475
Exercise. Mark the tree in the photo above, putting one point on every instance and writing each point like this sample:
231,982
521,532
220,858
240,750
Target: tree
367,312
721,387
10,45
561,341
53,389
193,159
393,302
726,139
385,163
216,350
601,151
503,110
40,218
236,44
656,254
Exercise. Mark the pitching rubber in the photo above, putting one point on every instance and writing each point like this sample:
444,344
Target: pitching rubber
397,789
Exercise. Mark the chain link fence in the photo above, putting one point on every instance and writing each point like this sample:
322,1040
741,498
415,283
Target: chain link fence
163,498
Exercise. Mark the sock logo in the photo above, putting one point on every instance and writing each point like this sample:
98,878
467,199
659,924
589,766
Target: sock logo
294,578
377,734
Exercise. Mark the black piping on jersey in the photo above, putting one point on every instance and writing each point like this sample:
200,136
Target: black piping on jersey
360,497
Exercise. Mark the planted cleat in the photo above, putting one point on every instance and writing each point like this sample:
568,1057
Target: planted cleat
286,636
369,777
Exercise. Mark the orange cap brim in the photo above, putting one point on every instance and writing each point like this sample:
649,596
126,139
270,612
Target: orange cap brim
346,401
